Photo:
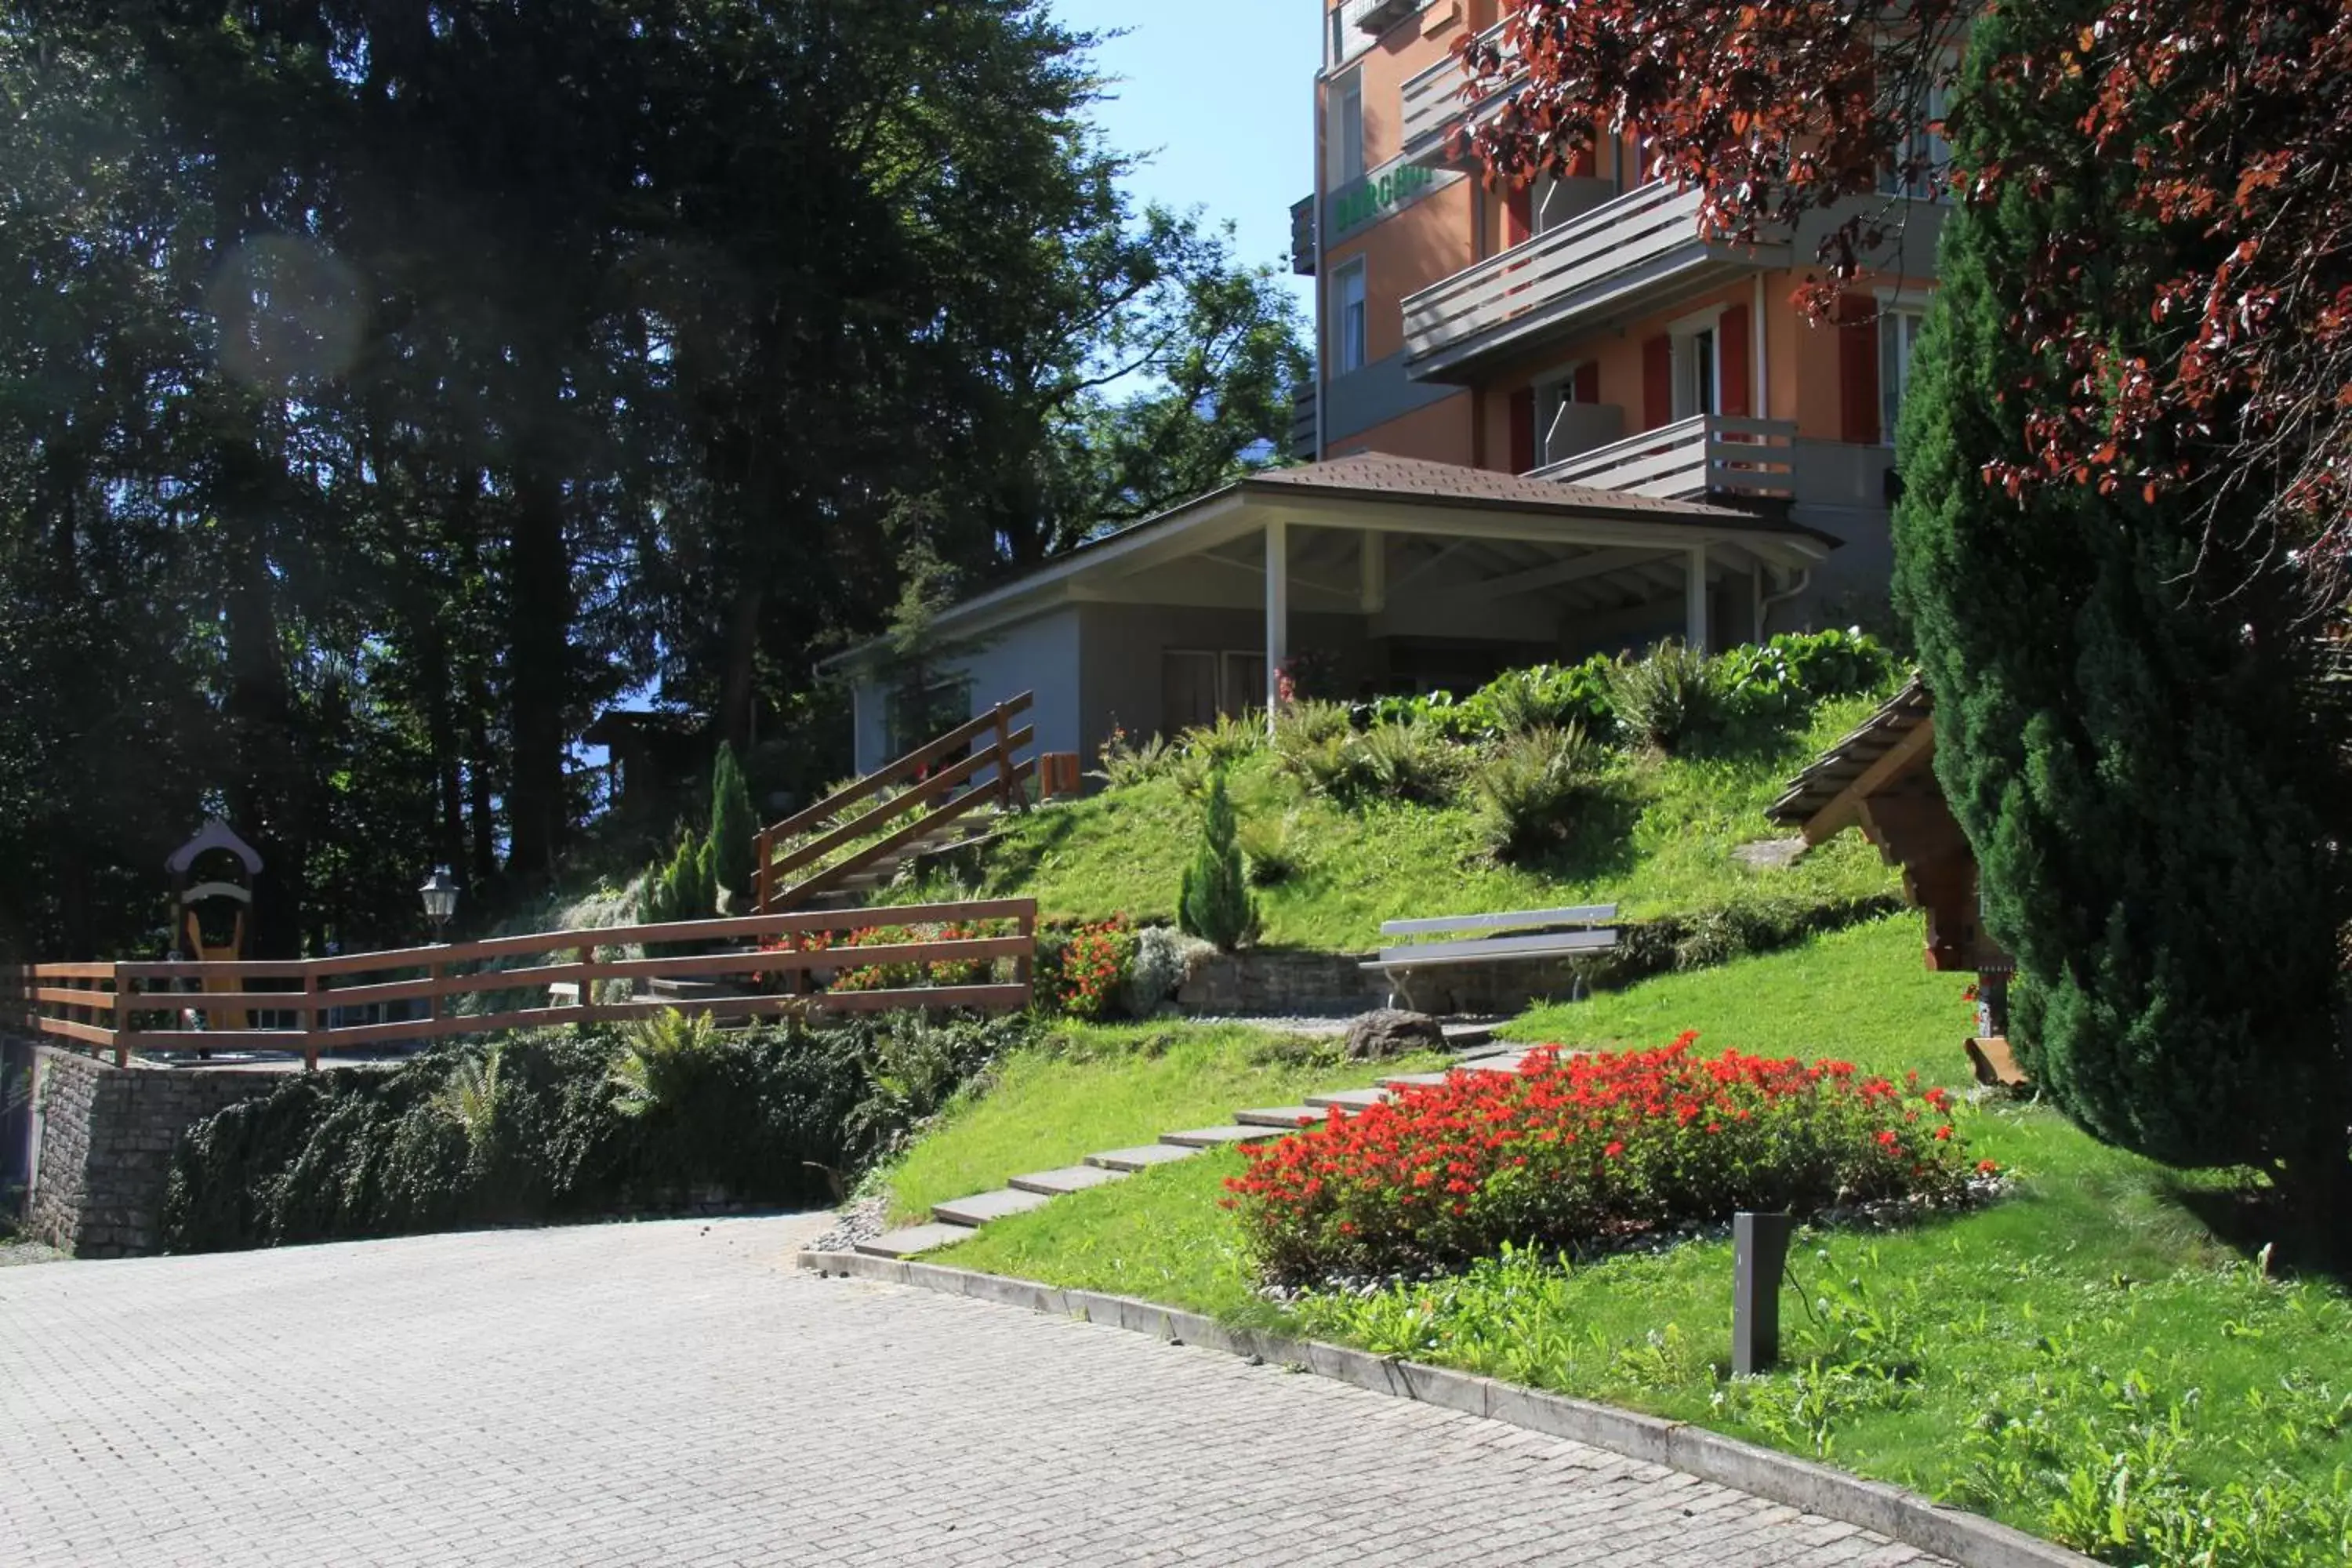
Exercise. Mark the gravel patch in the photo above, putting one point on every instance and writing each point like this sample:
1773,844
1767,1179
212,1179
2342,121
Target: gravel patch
860,1221
14,1252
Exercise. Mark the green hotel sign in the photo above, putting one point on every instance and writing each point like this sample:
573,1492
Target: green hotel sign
1381,194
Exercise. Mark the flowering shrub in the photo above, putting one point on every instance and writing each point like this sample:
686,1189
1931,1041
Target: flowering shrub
1572,1150
1084,968
894,977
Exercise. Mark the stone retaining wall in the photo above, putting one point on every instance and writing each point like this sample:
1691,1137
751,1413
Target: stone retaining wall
1300,985
101,1146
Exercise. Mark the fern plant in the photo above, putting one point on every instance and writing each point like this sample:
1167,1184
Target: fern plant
1527,787
1667,698
658,1059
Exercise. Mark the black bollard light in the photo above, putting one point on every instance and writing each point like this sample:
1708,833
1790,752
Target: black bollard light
1760,1256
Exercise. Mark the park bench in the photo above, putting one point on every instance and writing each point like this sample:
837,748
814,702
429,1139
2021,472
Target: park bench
1490,939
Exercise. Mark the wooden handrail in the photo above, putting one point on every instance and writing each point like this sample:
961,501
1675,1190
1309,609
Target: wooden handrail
833,876
890,772
930,789
445,979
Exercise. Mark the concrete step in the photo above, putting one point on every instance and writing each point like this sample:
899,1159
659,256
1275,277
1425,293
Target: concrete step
1213,1137
981,1208
1068,1179
914,1238
1409,1078
1468,1036
1498,1061
1290,1117
1128,1161
1351,1098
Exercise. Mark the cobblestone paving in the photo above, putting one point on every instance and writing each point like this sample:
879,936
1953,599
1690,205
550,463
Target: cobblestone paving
677,1393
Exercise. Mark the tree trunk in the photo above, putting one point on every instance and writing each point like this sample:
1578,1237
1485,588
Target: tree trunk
740,687
540,624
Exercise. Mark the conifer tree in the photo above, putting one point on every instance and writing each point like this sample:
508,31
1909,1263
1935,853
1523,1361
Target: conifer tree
1215,904
2117,722
733,829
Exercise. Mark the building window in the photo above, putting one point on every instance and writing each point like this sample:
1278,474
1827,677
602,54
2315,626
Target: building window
1695,366
1898,340
1921,147
1344,136
1348,40
1348,319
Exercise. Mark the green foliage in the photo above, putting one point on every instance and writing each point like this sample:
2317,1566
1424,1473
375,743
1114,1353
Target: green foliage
683,890
1274,848
1126,762
566,1124
1545,697
1666,699
1775,680
1404,763
1528,787
1214,903
1228,740
2119,724
731,851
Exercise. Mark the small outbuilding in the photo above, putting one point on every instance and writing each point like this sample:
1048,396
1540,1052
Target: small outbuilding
1881,779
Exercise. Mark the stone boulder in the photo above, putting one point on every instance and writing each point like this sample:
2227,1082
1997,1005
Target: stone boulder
1391,1032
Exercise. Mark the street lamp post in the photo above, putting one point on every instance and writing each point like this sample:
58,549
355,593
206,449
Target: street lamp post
439,894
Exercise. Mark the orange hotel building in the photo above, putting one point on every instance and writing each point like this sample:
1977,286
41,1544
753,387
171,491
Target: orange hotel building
1581,329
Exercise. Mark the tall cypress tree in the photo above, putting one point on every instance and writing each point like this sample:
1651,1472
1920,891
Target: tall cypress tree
2118,725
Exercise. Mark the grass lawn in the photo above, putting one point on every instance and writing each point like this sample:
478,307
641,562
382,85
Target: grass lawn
2088,1359
1085,1088
1659,842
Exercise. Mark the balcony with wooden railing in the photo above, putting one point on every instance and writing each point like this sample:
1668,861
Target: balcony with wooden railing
1435,106
302,1007
1621,258
1691,459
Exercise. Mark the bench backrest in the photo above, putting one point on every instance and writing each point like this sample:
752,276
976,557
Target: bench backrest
1520,920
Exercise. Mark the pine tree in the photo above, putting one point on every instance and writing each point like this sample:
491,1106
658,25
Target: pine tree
733,829
1215,903
2117,725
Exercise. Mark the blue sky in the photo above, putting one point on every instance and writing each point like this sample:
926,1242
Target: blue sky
1221,94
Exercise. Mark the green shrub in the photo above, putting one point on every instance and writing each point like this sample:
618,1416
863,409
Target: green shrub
1526,788
1434,713
1405,763
684,890
1125,761
531,1129
1231,739
1546,696
732,829
1784,678
1214,903
1274,851
1667,698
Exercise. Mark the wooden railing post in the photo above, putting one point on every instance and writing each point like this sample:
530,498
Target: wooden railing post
587,956
763,855
1025,967
310,1020
124,1021
1004,801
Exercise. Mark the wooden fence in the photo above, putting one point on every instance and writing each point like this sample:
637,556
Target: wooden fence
935,778
128,1007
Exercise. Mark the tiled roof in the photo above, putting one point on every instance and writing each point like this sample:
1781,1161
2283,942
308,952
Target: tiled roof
1842,763
1380,476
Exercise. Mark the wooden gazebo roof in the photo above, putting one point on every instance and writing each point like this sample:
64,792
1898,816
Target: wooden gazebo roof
1825,799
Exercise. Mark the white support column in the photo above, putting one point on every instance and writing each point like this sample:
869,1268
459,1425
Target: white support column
1278,612
1375,565
1695,601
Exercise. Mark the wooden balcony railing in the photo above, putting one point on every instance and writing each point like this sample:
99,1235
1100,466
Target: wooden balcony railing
1435,103
1712,454
127,1008
1618,256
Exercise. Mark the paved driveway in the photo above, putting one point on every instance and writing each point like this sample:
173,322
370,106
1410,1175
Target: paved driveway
676,1393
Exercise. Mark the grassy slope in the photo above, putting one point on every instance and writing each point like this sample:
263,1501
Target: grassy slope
1089,1088
1663,846
2092,1314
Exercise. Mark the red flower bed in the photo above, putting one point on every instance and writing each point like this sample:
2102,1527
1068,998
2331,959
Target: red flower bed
895,976
1574,1149
1089,965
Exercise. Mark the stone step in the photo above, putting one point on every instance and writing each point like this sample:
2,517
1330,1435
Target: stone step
1498,1061
1468,1036
1128,1161
1409,1079
1351,1098
914,1238
1068,1179
981,1208
1290,1117
1213,1137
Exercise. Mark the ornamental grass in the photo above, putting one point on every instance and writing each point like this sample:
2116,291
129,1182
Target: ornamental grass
1574,1152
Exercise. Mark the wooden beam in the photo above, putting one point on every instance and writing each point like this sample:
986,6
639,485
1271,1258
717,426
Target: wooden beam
1843,809
1560,573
